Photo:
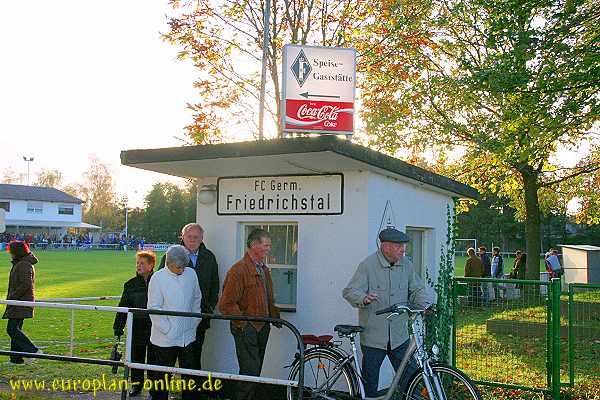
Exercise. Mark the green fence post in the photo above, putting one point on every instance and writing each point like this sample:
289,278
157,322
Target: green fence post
453,337
549,335
556,289
570,316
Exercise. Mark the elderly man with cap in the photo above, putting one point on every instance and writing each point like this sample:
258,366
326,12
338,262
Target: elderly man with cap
384,278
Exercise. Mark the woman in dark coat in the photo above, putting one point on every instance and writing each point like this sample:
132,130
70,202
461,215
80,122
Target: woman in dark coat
21,286
518,271
135,295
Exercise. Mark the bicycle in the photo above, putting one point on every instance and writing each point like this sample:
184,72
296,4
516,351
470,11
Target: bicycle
331,372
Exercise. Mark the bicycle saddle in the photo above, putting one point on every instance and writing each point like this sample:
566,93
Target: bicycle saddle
348,329
324,340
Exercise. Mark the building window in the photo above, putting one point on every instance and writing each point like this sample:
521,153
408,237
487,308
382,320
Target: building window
5,205
35,207
283,261
65,210
415,250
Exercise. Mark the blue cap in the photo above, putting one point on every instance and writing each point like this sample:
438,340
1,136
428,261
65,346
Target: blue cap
393,235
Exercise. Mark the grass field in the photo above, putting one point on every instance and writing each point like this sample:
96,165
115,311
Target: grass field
62,274
69,274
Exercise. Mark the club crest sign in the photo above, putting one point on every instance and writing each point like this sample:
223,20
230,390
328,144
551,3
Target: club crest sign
319,85
301,68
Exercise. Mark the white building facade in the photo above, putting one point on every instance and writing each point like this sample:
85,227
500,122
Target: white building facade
31,210
316,248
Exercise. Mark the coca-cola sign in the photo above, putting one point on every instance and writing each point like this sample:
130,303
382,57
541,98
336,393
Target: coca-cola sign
318,89
319,115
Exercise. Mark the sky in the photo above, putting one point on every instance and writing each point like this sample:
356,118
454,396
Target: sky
81,79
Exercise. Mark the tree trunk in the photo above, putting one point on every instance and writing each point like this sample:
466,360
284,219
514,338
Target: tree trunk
532,223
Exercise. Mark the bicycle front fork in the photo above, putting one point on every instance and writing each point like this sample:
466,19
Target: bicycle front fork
435,390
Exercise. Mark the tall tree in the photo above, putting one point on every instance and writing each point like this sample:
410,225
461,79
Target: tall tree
506,82
97,192
49,178
156,214
11,176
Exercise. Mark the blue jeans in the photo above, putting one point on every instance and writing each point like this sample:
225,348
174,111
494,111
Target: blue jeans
371,364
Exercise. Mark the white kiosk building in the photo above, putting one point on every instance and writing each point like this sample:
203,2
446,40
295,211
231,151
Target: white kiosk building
323,201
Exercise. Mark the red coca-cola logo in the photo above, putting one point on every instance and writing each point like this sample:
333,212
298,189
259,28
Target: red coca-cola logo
329,113
309,115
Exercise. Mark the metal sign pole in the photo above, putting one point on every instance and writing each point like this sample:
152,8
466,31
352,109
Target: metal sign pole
265,56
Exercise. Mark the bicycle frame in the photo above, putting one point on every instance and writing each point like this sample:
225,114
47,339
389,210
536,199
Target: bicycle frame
416,346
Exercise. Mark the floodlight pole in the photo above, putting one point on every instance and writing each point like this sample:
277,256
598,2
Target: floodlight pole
28,160
265,56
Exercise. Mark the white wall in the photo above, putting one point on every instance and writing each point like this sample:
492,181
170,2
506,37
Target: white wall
330,248
18,211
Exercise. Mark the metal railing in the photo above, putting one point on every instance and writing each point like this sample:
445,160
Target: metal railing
128,363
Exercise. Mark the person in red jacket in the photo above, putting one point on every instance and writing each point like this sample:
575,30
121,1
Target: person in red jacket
21,286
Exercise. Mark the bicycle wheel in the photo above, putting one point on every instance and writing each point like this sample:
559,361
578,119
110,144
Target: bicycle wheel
323,377
455,385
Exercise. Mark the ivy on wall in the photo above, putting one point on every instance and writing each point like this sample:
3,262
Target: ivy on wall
439,328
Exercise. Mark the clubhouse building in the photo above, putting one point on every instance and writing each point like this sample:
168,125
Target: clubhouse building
324,201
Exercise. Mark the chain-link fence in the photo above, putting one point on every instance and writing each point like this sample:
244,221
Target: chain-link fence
502,332
528,335
581,308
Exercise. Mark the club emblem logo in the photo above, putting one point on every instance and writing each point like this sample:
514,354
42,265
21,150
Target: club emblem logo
301,68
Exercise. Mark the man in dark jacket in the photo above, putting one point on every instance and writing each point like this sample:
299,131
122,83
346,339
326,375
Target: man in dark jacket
486,287
135,295
203,261
21,286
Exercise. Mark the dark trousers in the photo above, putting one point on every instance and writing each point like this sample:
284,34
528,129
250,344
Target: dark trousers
475,294
167,356
198,346
140,352
18,340
250,346
371,364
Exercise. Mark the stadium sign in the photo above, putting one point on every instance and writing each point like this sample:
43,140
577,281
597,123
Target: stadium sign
281,195
319,85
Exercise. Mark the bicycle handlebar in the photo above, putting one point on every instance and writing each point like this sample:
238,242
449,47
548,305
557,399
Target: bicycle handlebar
399,308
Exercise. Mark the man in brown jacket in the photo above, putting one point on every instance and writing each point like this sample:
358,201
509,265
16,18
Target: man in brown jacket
248,290
474,269
21,286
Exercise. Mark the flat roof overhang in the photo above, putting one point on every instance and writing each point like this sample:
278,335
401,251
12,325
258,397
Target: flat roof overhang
305,155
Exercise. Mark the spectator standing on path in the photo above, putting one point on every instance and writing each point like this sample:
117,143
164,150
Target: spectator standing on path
21,286
204,263
474,269
518,271
384,278
248,290
553,264
135,295
487,273
497,271
174,288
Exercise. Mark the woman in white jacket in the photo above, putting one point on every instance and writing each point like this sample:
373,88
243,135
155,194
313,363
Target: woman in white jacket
174,288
